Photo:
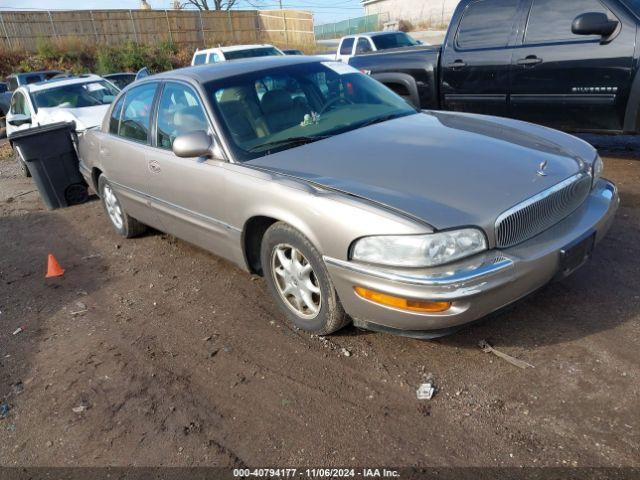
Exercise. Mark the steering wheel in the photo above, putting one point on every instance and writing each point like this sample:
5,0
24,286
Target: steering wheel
335,101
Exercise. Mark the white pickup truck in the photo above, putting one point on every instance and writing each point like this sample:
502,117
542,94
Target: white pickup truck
353,45
235,52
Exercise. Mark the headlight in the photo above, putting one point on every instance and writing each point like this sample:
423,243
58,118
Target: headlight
596,169
419,250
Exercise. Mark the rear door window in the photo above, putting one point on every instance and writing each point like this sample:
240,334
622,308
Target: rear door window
550,20
136,114
179,111
487,24
213,58
347,46
114,121
32,79
200,59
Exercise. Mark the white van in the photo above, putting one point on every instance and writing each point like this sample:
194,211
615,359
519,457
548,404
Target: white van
223,54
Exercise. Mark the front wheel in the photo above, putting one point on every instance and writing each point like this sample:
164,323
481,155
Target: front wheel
124,224
299,281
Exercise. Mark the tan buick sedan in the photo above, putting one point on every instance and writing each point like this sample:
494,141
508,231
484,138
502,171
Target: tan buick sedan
352,204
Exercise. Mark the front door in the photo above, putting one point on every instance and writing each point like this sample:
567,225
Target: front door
568,81
477,57
190,191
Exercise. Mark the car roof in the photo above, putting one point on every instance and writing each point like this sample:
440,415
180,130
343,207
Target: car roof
218,71
374,34
57,82
39,72
117,74
233,48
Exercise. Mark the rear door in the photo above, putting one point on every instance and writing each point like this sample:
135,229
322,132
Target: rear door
477,57
568,81
123,152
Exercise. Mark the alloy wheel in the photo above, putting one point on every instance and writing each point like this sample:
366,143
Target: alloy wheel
113,206
296,281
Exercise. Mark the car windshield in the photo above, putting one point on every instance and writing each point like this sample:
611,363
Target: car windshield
393,40
121,80
77,95
634,6
251,53
268,111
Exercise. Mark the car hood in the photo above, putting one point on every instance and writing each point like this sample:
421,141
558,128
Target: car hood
445,169
85,117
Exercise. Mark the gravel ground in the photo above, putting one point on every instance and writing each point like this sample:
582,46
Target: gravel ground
153,352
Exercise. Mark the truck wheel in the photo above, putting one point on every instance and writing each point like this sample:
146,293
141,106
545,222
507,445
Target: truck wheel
3,124
124,224
299,281
24,168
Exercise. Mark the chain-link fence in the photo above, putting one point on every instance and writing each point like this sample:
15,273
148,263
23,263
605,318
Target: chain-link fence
368,23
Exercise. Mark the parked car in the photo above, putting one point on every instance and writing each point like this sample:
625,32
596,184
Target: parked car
13,82
83,100
292,51
120,80
353,204
3,87
353,45
570,65
235,52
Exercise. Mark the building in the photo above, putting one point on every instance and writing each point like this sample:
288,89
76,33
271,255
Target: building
430,13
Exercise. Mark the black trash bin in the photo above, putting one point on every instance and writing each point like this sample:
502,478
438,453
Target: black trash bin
53,163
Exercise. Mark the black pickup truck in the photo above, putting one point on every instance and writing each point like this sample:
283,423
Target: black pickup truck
570,64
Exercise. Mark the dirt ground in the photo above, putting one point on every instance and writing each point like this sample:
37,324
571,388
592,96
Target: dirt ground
172,356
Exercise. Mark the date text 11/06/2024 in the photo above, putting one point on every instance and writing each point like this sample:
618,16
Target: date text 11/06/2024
315,472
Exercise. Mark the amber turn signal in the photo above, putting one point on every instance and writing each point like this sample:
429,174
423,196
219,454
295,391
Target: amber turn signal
418,306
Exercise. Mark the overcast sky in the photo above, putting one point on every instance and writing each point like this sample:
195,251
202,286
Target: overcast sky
324,10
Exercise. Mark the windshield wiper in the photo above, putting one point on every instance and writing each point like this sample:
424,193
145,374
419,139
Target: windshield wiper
383,118
289,142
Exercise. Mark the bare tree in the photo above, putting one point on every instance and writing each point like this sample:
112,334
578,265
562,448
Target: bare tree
215,4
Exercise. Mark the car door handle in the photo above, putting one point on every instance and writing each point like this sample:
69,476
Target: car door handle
457,64
530,60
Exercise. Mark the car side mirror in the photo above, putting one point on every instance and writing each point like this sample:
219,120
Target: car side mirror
19,120
193,144
593,23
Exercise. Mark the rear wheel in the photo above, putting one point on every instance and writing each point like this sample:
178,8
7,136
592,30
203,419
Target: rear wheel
300,282
3,124
124,224
24,168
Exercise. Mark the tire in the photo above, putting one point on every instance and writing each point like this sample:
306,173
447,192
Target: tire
125,225
24,168
290,287
3,124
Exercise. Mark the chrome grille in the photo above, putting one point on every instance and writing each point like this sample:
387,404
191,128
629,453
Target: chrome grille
537,214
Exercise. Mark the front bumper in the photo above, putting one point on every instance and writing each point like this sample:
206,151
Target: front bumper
477,286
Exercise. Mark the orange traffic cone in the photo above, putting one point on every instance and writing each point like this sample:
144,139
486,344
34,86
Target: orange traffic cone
53,268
